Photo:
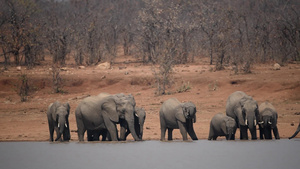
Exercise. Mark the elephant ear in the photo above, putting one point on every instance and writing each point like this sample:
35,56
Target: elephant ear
223,127
194,119
180,114
53,109
67,106
240,115
110,108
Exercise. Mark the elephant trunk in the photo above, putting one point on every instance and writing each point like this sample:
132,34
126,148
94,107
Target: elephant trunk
61,126
129,117
297,131
141,130
251,122
229,136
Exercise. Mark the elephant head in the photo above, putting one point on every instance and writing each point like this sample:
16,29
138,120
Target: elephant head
119,109
248,114
268,119
229,128
188,112
60,114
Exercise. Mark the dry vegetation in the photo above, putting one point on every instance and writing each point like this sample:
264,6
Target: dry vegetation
193,50
209,91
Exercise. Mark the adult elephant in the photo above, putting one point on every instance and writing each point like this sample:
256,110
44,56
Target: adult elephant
97,113
58,115
244,110
139,120
222,125
296,132
176,115
268,121
94,135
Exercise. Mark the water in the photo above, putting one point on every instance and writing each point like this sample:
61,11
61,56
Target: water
202,154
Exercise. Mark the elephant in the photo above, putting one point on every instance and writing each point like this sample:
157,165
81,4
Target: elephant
244,110
268,121
222,125
98,113
58,115
139,120
296,132
176,115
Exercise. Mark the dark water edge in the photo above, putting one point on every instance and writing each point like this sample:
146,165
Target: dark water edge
202,154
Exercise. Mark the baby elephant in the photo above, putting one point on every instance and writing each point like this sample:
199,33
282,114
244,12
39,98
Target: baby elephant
222,125
176,115
268,121
58,115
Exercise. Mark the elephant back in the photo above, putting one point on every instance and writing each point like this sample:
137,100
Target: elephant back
266,106
170,105
233,103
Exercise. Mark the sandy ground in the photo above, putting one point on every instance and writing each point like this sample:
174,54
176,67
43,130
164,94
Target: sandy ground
27,121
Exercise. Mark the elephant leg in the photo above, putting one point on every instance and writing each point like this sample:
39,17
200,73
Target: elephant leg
80,128
58,135
253,134
96,135
123,129
183,131
243,133
104,135
112,129
51,131
66,134
276,133
215,137
211,133
261,133
190,130
163,129
170,134
90,135
268,134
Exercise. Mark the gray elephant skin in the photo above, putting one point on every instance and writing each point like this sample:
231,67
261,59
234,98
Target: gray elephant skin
244,110
58,115
268,121
176,115
296,132
98,113
222,125
139,120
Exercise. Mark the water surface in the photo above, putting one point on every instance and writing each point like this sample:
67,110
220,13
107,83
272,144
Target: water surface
200,154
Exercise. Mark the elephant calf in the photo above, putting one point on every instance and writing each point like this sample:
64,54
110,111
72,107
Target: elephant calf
58,115
268,121
176,115
222,125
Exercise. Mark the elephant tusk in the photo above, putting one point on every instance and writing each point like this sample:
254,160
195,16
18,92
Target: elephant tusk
255,122
269,122
58,125
66,125
246,122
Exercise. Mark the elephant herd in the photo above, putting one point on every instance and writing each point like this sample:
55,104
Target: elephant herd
99,116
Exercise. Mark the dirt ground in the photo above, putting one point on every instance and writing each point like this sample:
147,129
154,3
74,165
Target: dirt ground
27,121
